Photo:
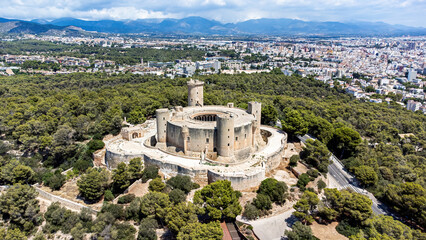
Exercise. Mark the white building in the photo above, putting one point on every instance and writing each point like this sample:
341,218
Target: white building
413,105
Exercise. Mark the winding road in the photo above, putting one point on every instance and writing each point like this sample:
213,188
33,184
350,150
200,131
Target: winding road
347,180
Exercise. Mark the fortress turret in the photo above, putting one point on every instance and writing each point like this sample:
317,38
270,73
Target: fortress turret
255,108
162,115
225,135
195,93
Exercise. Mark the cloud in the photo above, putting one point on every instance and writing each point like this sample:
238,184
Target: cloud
408,12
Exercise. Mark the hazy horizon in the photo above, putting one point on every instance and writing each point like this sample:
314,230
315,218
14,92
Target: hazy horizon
406,12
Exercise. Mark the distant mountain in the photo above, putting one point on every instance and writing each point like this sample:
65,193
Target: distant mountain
18,26
202,26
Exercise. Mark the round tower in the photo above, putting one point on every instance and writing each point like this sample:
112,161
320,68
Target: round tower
225,135
255,108
195,93
162,116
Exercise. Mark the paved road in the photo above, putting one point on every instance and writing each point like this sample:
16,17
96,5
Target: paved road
346,180
272,228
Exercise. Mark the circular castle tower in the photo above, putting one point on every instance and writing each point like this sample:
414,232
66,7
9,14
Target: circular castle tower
195,93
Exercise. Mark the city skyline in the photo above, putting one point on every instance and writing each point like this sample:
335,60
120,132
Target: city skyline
409,12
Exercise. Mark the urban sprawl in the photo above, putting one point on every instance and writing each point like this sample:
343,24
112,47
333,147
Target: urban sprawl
378,70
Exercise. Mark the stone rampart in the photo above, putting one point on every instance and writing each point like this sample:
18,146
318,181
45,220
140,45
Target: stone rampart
239,181
64,202
112,159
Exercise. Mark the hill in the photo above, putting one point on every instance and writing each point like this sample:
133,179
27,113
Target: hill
202,26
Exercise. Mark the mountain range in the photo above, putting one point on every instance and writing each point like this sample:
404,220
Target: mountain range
202,26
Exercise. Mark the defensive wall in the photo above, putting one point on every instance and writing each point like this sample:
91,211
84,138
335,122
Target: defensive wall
241,176
64,202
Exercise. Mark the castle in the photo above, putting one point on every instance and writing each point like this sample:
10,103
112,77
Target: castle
206,142
220,133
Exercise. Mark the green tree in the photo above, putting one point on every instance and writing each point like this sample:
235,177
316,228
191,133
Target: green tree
120,178
150,172
12,234
320,128
22,174
294,160
276,190
269,114
180,215
176,196
201,231
93,184
293,123
306,206
408,198
299,232
219,200
321,185
354,206
147,229
262,202
303,180
385,227
251,211
20,206
135,168
316,155
328,214
55,181
155,204
182,182
366,175
345,141
156,185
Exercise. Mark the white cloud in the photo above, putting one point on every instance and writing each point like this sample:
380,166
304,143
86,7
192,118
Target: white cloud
409,12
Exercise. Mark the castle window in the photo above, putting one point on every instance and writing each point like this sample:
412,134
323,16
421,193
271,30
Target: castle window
245,135
228,144
236,138
188,139
228,129
164,118
207,140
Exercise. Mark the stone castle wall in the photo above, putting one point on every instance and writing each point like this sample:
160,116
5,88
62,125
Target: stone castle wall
112,159
238,181
64,202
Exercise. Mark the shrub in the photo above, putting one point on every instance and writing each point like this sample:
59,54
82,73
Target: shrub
262,202
313,173
276,190
95,145
126,198
177,196
150,172
108,196
321,185
293,160
116,210
347,229
147,229
54,180
183,183
251,211
303,181
156,185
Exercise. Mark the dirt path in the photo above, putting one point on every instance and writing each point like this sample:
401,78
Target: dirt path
326,232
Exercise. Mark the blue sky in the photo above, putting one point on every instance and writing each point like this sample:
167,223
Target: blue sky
407,12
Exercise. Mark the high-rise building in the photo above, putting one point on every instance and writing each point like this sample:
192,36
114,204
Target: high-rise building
412,74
